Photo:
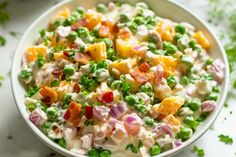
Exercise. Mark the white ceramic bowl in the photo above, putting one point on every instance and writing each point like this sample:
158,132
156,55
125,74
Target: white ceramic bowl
164,8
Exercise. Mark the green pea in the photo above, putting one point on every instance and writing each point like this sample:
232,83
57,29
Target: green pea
72,36
132,99
177,36
194,104
123,18
111,54
58,22
191,122
184,80
150,21
193,44
62,142
52,112
75,14
116,84
133,26
93,152
83,32
71,20
212,96
142,5
169,48
81,11
25,73
187,60
149,121
146,88
30,107
133,148
46,126
180,29
105,153
185,133
54,83
101,8
171,81
215,89
209,61
154,150
69,70
139,20
108,43
102,75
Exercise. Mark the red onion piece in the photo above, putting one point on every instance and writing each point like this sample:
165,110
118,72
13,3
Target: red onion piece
118,111
38,117
177,143
163,128
208,106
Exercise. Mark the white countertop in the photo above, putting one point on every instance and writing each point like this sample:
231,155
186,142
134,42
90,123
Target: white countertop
17,140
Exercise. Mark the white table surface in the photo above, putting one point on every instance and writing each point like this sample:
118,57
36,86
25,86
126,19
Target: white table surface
17,140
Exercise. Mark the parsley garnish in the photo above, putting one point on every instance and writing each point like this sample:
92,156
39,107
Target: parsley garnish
1,79
199,152
226,139
4,15
2,41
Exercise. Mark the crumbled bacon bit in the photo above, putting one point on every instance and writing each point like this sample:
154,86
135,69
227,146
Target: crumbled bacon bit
88,112
46,100
78,24
107,97
145,67
76,87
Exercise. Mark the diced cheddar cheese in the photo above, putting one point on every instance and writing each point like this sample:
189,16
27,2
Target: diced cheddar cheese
72,113
201,39
63,14
124,66
59,55
33,52
49,93
92,19
126,48
173,121
170,105
168,63
166,31
97,51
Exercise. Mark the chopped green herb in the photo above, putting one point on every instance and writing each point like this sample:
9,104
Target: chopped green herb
4,15
199,152
226,105
2,41
226,139
1,79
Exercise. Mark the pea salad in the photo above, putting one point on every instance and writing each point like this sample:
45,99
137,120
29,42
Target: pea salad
118,80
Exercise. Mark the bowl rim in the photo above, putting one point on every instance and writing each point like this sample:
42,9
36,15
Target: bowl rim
171,152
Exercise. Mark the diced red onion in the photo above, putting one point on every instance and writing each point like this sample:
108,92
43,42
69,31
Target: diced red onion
118,111
38,117
163,128
208,106
177,143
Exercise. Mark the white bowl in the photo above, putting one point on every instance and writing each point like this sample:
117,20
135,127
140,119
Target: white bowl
164,8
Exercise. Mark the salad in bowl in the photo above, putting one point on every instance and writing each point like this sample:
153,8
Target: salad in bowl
118,80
